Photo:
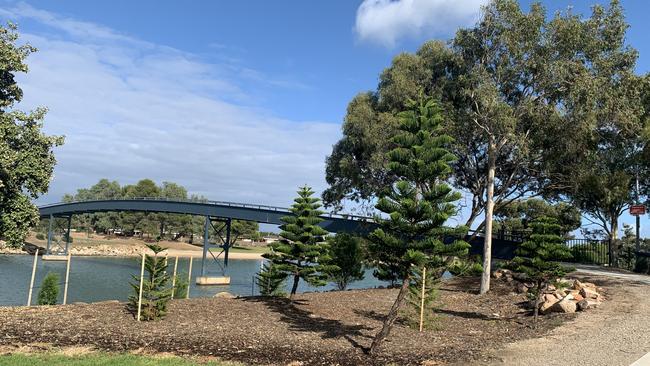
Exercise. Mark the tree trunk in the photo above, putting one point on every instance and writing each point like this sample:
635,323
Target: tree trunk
390,318
489,211
294,288
613,240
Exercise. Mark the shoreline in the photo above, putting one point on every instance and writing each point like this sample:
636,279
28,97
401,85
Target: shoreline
134,252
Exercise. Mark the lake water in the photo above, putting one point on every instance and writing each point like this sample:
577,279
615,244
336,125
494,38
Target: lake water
107,278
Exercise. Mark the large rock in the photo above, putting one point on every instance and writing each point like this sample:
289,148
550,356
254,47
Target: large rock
497,274
522,288
577,285
589,293
587,304
225,295
548,300
566,305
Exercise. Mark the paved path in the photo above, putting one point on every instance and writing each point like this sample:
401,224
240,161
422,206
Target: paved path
617,333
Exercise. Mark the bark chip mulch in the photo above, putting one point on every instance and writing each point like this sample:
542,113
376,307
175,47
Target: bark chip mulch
331,328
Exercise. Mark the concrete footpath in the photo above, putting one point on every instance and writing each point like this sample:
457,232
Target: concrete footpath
617,333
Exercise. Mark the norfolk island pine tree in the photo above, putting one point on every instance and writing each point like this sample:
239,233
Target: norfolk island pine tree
537,256
416,207
302,251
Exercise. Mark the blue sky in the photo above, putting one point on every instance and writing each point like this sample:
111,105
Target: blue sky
236,100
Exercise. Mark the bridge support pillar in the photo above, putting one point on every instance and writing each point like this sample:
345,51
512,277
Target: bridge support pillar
226,244
67,235
223,234
49,235
206,244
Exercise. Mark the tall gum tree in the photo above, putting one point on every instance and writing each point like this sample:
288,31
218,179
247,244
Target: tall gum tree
26,153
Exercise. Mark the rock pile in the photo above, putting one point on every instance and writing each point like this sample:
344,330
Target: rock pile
570,295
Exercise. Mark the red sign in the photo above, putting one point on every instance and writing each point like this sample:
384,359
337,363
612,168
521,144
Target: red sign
637,210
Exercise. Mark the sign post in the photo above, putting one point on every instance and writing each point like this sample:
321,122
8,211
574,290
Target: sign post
637,210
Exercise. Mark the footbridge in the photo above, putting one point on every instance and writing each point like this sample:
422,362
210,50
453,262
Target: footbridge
218,215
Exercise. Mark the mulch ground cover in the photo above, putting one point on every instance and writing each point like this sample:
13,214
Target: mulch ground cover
330,328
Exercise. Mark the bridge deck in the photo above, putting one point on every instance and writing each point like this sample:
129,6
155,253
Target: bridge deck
238,211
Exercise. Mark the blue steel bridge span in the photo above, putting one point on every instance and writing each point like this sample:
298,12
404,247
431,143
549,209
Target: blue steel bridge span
218,214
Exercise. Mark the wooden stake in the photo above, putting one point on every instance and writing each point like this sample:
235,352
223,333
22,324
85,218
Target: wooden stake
31,283
189,278
67,277
424,281
141,285
174,277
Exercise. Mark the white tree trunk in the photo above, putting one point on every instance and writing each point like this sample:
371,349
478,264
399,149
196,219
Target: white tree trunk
489,211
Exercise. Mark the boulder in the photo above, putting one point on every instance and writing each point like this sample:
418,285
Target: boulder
522,288
497,274
566,305
589,293
577,297
225,295
585,304
577,285
548,300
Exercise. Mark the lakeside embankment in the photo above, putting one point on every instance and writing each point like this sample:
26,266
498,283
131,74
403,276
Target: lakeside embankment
102,246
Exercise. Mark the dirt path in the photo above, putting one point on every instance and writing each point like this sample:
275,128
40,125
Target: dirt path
614,334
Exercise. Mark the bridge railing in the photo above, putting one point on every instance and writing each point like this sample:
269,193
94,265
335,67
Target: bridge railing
216,203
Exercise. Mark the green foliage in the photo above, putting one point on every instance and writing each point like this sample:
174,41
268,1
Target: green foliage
49,291
418,205
180,286
26,153
415,209
40,236
302,251
461,267
537,257
518,215
155,292
414,299
271,281
348,256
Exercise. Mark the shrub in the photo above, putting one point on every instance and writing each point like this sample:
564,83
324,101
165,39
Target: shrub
180,286
347,255
40,236
49,290
155,292
414,299
537,257
271,281
465,267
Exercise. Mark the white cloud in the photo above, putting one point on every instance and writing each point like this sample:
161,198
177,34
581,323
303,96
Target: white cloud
387,21
131,109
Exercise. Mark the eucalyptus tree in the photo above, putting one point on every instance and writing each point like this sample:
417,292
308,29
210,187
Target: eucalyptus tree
605,100
26,153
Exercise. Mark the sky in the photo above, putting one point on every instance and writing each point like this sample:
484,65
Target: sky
235,100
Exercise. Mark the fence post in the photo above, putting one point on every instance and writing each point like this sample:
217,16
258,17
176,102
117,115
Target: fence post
141,285
67,276
31,282
189,278
174,277
424,281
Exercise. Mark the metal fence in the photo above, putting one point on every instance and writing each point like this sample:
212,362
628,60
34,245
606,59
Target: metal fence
589,251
